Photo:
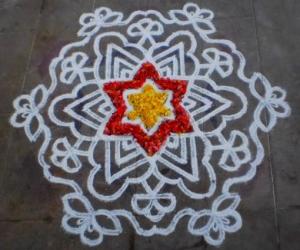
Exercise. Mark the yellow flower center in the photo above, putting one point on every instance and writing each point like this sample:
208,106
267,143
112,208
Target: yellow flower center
149,106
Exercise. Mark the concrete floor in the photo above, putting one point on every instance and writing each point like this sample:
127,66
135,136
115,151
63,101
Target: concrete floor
32,33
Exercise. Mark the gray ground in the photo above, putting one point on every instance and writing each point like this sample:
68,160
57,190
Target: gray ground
33,31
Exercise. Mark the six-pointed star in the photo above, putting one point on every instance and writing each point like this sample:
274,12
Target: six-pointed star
151,143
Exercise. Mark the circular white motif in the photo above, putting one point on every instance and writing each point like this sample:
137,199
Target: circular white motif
103,169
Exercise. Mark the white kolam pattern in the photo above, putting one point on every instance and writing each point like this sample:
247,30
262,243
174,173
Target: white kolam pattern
75,101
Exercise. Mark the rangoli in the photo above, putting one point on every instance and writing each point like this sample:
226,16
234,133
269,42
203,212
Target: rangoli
151,122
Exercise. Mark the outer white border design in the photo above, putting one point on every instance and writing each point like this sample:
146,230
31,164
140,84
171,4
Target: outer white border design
92,109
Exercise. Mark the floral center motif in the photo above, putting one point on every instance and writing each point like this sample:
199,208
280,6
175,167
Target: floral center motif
154,101
149,105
